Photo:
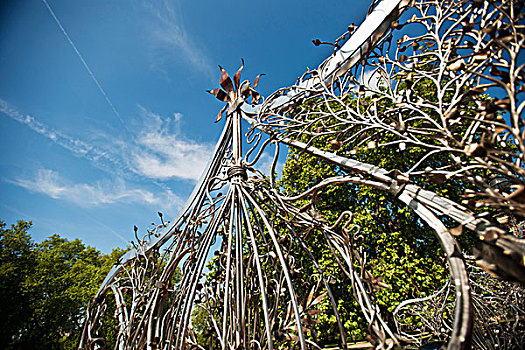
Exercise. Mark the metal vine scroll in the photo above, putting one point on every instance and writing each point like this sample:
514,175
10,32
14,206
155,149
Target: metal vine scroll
421,95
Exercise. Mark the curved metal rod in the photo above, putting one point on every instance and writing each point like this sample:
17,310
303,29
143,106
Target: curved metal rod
122,313
288,279
260,277
357,46
463,321
228,269
319,270
370,311
193,200
418,300
211,231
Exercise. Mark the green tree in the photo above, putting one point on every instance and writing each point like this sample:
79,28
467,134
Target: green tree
398,249
46,288
397,246
17,257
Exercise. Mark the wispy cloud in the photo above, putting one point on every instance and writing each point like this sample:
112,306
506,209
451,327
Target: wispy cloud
171,39
372,79
264,164
102,158
162,152
159,151
50,183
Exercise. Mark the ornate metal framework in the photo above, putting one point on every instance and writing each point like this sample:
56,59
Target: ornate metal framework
441,81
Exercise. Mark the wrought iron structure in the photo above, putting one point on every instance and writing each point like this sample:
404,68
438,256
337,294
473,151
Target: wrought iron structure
440,81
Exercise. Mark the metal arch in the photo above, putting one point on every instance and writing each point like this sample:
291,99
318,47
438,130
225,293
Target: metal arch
376,23
243,220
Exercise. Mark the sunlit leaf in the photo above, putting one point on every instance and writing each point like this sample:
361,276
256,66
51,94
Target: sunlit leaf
225,81
220,95
237,75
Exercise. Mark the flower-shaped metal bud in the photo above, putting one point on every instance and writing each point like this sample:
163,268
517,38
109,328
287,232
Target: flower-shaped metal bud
234,93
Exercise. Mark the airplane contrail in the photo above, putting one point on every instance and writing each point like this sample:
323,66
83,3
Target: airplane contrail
84,62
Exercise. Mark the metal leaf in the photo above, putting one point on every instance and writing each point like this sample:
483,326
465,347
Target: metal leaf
475,150
237,75
220,95
225,81
318,299
456,65
219,115
314,312
335,144
456,231
256,81
255,96
518,194
244,90
437,178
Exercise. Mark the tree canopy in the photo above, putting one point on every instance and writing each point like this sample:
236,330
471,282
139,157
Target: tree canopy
45,288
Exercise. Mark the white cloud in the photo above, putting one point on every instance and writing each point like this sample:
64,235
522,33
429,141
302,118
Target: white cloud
159,151
106,192
162,152
170,38
102,158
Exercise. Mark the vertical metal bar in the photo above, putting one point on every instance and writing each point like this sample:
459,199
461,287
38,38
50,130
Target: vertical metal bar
237,143
228,273
262,285
289,283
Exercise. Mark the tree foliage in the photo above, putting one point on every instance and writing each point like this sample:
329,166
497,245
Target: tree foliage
45,288
402,257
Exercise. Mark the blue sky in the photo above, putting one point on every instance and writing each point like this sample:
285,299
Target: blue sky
106,121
